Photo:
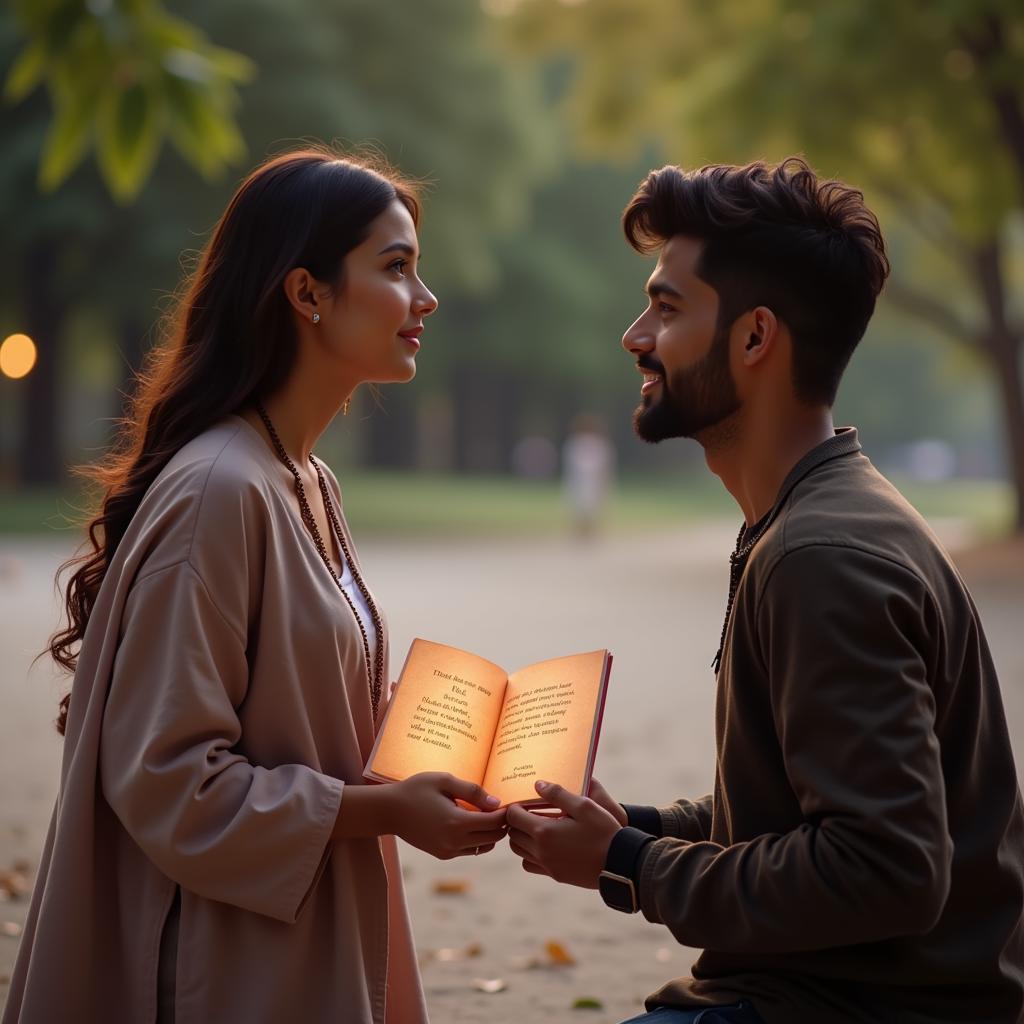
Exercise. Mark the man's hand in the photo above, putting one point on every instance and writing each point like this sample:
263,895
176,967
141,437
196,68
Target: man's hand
571,848
601,796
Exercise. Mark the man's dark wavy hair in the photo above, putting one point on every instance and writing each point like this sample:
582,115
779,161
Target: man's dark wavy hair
775,236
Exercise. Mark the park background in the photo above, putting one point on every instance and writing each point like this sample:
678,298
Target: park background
127,124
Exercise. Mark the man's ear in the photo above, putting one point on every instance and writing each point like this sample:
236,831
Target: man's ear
301,290
761,332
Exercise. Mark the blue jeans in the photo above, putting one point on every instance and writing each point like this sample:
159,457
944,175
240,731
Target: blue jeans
736,1013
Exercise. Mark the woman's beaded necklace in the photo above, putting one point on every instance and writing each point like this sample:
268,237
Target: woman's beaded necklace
374,675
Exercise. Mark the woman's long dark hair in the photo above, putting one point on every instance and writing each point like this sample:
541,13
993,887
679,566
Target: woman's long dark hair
230,339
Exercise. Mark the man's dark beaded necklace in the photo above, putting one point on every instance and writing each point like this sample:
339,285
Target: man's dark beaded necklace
836,447
737,563
374,676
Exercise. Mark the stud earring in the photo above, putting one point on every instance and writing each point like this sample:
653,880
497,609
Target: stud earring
316,318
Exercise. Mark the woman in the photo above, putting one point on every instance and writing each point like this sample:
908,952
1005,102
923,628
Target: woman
213,855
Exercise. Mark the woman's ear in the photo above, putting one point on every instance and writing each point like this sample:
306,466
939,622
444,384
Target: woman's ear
300,288
762,330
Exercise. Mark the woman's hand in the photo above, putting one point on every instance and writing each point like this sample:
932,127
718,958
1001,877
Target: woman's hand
603,798
426,815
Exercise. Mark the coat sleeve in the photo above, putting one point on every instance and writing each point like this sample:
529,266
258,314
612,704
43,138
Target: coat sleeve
687,819
845,636
216,824
681,819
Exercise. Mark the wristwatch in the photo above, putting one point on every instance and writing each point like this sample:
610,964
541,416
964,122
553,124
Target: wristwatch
615,883
618,892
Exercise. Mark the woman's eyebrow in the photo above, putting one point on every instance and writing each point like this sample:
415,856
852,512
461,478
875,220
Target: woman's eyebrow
398,247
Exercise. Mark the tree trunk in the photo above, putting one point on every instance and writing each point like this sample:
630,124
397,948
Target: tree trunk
391,430
1003,345
40,457
476,444
131,353
987,42
1004,350
508,394
487,407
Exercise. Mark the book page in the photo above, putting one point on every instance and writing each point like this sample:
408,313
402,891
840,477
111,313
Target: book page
547,726
442,716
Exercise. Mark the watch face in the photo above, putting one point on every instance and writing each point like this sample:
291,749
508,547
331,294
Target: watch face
618,892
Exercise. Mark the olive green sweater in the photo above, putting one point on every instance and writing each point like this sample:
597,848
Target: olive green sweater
861,856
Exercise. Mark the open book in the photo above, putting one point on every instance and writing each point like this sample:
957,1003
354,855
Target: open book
456,712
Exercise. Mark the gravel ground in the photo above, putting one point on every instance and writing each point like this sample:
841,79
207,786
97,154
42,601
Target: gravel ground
654,600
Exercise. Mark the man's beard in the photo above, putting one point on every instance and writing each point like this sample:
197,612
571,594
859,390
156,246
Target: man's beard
696,400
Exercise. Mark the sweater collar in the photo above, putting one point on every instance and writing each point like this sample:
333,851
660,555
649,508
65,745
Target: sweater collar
843,442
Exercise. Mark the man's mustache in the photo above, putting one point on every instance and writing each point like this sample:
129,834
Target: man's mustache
651,365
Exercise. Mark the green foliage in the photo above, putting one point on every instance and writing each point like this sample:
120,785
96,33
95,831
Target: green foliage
123,75
428,90
921,105
889,94
520,235
477,134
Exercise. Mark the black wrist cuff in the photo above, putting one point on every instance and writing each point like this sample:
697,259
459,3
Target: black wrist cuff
647,819
624,852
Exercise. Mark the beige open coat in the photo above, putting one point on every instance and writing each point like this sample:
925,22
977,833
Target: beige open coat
219,707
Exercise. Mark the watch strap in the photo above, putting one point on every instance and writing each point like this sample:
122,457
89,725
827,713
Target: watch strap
624,851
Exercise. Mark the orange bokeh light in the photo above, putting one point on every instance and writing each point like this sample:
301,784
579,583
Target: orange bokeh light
17,356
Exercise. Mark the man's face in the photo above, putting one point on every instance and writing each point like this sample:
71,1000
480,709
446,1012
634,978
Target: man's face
688,388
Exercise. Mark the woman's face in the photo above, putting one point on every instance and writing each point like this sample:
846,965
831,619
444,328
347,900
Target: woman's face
373,320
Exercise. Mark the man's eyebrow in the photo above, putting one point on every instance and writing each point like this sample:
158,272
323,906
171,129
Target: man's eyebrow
398,247
655,289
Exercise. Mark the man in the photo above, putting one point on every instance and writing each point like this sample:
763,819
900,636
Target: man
860,858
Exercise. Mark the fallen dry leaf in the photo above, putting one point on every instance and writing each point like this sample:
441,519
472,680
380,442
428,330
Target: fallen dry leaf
11,928
451,886
558,954
490,985
465,953
555,955
13,884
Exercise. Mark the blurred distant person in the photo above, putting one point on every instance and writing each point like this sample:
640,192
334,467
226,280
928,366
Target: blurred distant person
588,469
862,855
214,855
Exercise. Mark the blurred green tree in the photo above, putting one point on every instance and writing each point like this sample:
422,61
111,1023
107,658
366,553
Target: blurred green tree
548,339
477,133
922,104
122,76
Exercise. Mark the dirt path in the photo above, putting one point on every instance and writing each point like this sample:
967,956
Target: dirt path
656,601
